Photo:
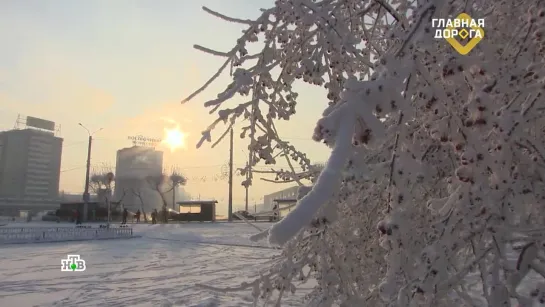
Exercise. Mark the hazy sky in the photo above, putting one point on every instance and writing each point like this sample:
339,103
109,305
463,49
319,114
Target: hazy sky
124,65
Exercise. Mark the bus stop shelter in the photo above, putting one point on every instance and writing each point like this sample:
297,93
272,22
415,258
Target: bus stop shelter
197,210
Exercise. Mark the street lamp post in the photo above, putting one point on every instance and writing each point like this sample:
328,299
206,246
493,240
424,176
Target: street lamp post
173,197
86,196
109,179
230,206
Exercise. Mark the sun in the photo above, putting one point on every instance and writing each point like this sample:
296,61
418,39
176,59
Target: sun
174,138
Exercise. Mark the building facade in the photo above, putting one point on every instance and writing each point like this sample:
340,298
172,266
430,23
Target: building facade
288,193
74,198
30,164
257,208
133,165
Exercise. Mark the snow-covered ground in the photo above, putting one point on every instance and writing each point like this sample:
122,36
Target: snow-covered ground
162,268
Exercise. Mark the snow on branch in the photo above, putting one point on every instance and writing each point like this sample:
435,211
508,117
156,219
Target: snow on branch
324,188
226,18
212,52
429,210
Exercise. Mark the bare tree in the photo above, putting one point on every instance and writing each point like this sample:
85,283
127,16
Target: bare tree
98,184
103,184
175,180
163,184
138,193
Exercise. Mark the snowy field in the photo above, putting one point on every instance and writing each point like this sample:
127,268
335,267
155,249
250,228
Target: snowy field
162,268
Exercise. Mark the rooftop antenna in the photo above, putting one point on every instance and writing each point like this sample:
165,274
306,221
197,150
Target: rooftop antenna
58,130
143,141
19,121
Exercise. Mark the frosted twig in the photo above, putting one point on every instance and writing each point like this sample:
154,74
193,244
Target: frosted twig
230,19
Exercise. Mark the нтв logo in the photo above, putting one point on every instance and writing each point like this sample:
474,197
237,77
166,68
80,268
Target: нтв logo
471,28
73,263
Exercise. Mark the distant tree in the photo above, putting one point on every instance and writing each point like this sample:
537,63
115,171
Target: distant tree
138,193
104,183
164,184
99,183
176,180
119,205
437,158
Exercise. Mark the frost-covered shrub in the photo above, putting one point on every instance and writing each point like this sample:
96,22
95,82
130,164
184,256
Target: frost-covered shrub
437,160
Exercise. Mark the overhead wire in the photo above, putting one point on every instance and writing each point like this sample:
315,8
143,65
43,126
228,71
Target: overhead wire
72,169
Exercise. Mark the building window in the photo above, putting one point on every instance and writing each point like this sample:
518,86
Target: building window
37,182
190,209
36,189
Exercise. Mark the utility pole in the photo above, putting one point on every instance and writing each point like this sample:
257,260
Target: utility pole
109,190
174,198
247,186
86,196
174,188
248,166
230,209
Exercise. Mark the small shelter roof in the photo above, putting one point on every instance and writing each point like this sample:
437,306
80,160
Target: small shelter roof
285,200
196,202
89,203
80,203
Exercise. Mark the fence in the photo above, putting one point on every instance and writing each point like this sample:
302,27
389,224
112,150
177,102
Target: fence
59,234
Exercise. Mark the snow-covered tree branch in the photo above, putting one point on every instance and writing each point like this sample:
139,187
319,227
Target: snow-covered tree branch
438,162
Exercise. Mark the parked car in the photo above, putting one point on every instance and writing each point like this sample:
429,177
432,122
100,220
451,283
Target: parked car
51,216
244,213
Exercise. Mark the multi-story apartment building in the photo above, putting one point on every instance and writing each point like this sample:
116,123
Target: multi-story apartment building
30,163
133,165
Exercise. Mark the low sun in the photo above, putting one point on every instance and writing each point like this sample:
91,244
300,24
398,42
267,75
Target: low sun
174,138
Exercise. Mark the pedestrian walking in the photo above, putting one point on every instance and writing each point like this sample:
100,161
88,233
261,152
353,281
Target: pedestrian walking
165,214
78,217
154,216
125,214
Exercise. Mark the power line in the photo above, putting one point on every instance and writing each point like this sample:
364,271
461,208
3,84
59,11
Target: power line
259,168
72,169
200,166
298,139
79,167
74,144
283,138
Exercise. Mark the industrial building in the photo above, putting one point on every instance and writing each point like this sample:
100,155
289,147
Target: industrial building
30,161
288,193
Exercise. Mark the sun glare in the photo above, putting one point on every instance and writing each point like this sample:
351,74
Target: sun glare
174,138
